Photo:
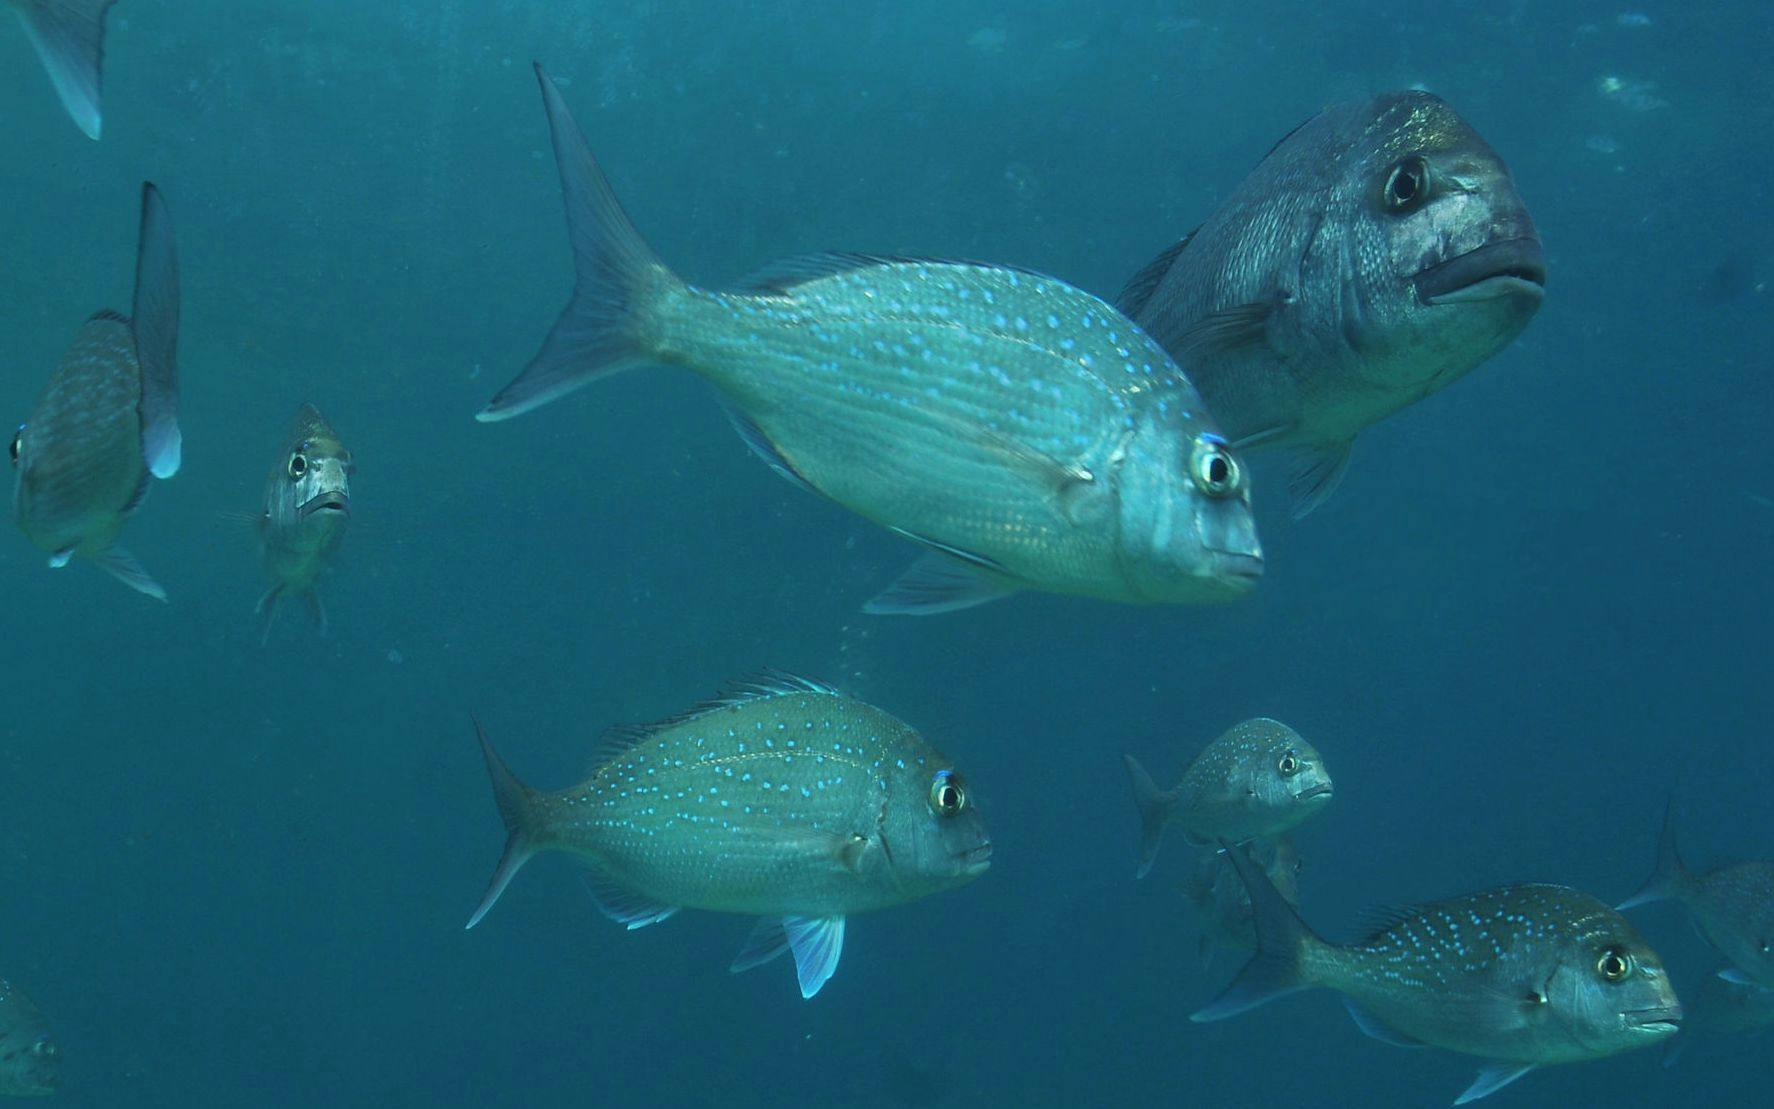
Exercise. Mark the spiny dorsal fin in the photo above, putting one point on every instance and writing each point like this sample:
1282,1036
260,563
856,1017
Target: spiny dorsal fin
759,686
1131,301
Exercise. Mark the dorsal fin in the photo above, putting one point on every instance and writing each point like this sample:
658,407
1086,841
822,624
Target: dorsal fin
1131,301
759,686
785,273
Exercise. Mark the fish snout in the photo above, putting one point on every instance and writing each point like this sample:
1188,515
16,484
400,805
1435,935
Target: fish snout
1510,264
332,500
975,859
1319,791
1659,1020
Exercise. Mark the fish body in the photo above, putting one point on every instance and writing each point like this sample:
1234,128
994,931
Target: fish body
1222,905
307,505
1024,432
1378,253
1522,976
1732,906
784,800
1720,1007
69,37
107,420
1258,778
29,1058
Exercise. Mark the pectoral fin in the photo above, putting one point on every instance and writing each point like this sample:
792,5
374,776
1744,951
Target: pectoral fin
122,565
1491,1079
817,943
1315,474
1221,331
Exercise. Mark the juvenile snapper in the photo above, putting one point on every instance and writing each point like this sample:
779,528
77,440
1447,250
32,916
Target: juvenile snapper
1024,432
69,37
108,420
1732,906
1221,902
1259,778
30,1062
1523,976
307,505
1374,256
783,799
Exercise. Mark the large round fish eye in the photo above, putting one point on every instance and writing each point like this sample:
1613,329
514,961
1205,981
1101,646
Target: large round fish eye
1407,186
1289,765
18,438
298,466
1215,471
44,1048
1613,965
947,795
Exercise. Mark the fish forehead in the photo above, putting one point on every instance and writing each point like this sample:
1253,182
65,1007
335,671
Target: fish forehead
1491,923
1253,739
310,427
1356,135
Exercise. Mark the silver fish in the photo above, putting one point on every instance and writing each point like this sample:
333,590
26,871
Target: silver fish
1374,256
782,799
1259,778
69,37
29,1059
1732,906
1222,905
1021,430
1522,975
107,420
307,505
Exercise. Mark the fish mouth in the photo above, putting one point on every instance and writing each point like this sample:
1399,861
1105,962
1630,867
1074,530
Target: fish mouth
325,502
1316,791
1661,1021
1237,567
975,860
1512,267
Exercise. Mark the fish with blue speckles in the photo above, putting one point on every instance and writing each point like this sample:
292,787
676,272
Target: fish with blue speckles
1258,778
1522,976
1732,906
1377,254
108,420
30,1062
1024,432
782,799
69,37
307,505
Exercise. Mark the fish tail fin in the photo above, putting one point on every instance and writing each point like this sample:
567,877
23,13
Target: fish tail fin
69,37
515,805
1283,944
154,321
266,610
604,328
1670,877
1154,807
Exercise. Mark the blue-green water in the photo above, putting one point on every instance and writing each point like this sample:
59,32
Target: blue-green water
238,875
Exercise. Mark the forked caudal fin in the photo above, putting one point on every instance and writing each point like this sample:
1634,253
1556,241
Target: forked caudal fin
1282,941
514,801
1154,807
69,37
154,321
1670,878
617,275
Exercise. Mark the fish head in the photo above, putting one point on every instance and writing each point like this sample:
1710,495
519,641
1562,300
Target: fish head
313,479
1284,774
931,830
1187,530
1608,991
1443,266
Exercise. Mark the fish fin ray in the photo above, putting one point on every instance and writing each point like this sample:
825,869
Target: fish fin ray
1491,1079
1738,978
1217,332
154,323
766,942
1137,293
266,610
1259,437
317,611
939,582
1670,876
60,558
761,445
817,943
515,803
760,685
617,273
1373,1026
1283,939
1315,474
623,905
69,37
122,565
1154,806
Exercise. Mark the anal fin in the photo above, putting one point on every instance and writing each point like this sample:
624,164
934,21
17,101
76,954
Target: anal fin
761,445
623,905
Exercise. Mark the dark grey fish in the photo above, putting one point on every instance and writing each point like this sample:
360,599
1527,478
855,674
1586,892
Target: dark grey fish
30,1062
1024,432
1522,975
1734,276
69,37
1374,256
1732,906
1222,904
107,420
307,505
1719,1008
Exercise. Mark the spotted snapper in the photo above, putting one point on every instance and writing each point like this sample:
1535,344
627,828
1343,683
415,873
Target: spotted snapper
1025,433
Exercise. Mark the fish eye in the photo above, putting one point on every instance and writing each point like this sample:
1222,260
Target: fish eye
1613,965
18,438
1215,471
1407,186
947,795
44,1048
298,466
1289,765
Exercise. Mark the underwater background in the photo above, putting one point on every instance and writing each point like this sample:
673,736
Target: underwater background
1535,610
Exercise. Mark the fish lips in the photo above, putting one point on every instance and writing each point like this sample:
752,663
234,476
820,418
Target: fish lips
1662,1020
325,502
1314,793
975,860
1511,267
